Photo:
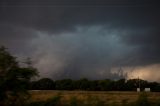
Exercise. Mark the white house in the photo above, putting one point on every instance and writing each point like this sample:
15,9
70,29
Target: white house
147,89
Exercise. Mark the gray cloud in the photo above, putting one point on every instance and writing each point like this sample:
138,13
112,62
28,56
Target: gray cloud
82,39
55,18
88,52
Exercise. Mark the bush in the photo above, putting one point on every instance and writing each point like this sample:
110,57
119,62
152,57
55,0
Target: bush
73,101
142,100
53,101
41,103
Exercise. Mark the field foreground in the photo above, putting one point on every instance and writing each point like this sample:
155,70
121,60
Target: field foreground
92,97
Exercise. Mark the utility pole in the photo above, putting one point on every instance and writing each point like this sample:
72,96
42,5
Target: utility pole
139,82
138,89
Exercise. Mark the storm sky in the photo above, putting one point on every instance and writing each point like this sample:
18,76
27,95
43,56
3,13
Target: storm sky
94,39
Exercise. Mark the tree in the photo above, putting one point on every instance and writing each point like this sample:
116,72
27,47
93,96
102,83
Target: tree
65,84
43,84
83,84
155,87
14,79
120,85
93,85
106,85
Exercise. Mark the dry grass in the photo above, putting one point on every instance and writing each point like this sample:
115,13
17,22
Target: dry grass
107,97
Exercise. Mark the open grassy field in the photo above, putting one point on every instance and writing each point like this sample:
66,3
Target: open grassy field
93,97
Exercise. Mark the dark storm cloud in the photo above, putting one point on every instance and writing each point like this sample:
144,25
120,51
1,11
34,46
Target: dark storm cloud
147,42
82,38
62,15
79,2
15,37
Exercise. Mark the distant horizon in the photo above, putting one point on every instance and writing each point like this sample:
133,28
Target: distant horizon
38,78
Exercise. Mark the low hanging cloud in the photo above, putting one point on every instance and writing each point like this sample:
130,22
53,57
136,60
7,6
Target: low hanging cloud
148,72
89,52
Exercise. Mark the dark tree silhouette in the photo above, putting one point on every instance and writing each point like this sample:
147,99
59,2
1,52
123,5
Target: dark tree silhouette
43,84
14,80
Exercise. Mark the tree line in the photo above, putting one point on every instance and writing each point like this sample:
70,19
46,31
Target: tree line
94,85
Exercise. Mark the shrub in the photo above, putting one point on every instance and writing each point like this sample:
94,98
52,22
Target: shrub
53,101
73,101
142,100
40,103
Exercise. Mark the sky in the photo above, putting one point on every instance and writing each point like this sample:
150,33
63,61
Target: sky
94,39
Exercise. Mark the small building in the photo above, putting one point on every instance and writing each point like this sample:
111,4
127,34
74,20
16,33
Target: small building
147,90
138,90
